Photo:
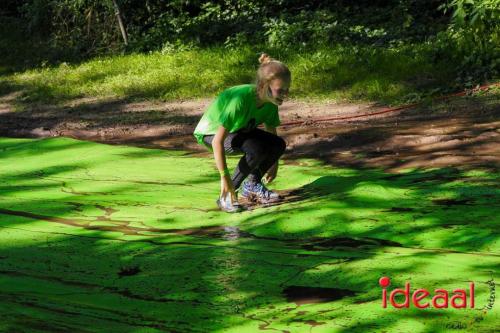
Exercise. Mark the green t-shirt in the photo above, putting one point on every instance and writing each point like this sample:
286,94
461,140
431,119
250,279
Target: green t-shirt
235,109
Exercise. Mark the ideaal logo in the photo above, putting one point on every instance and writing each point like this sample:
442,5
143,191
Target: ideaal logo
439,300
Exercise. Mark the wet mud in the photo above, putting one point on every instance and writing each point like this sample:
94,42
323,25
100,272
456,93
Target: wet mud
452,202
129,271
301,295
400,209
323,244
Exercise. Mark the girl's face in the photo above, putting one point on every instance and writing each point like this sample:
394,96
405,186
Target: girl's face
277,91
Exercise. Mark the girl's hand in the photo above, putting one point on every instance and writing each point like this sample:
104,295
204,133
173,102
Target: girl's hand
271,173
227,188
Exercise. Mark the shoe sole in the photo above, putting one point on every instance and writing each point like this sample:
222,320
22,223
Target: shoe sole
254,198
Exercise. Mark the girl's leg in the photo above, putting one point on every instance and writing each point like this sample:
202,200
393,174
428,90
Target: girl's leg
261,150
228,148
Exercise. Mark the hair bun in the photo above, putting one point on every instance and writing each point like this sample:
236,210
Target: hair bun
265,58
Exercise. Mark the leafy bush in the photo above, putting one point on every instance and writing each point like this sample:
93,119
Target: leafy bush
474,35
90,24
80,26
462,32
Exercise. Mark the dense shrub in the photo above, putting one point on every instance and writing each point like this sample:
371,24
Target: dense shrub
474,35
82,26
89,24
464,31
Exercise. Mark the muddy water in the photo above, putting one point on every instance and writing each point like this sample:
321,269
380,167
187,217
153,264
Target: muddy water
311,263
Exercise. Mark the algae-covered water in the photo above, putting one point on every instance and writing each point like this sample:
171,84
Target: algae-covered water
99,238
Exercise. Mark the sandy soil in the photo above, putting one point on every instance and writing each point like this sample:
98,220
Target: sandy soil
457,132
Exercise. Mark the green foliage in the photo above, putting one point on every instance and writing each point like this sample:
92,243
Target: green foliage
90,24
474,33
78,26
461,36
200,23
479,15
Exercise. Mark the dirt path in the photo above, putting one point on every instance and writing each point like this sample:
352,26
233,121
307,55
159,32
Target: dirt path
457,132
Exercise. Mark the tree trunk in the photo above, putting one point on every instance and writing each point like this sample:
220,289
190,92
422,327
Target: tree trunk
120,22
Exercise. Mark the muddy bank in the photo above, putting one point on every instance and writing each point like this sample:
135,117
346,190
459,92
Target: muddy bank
457,132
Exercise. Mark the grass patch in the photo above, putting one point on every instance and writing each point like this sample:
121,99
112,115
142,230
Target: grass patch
342,72
336,73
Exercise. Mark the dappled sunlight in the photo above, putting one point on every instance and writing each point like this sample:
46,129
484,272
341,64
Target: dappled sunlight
387,192
136,239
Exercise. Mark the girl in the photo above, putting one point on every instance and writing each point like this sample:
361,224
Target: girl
229,125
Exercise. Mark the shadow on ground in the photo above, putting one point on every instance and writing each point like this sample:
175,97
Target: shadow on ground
125,239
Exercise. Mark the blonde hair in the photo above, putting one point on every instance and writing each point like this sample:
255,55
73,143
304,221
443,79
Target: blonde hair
271,69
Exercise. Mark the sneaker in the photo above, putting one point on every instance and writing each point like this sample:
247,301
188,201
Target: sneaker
258,192
226,205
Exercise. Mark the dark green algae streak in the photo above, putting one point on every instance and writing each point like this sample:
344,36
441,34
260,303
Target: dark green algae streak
98,238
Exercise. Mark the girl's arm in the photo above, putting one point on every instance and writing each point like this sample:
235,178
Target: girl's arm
218,147
226,185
